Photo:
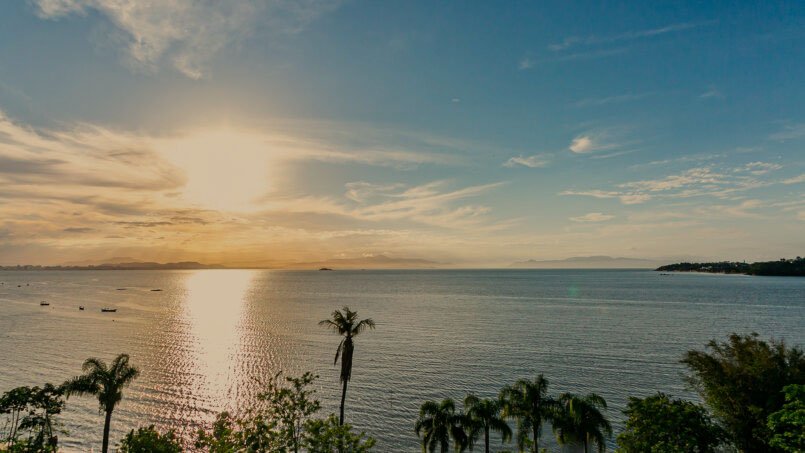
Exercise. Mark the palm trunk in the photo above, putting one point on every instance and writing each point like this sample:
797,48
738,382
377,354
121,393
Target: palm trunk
486,439
585,445
343,397
106,425
536,439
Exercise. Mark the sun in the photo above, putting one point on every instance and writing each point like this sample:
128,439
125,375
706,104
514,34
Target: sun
226,169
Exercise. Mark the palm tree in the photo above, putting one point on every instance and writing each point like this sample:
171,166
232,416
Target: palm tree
106,383
579,419
438,422
484,414
528,403
346,324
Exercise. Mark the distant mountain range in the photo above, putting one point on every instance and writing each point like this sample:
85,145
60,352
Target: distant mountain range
368,262
127,263
136,265
589,262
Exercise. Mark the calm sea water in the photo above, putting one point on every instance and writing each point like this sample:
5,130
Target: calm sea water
205,342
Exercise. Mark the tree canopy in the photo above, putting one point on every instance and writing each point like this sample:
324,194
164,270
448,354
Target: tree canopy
660,424
741,381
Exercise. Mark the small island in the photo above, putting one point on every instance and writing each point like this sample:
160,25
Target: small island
784,267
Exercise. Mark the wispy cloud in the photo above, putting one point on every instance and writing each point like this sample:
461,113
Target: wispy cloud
592,217
591,142
188,33
575,41
760,168
618,99
534,161
591,55
795,180
695,182
526,63
743,209
712,93
789,132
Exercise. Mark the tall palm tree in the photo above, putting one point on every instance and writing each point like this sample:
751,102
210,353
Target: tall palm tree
438,423
528,403
346,324
105,382
579,419
484,414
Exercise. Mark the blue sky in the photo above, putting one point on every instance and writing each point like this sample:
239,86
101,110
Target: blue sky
470,133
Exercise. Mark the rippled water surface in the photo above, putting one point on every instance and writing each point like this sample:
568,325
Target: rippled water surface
206,340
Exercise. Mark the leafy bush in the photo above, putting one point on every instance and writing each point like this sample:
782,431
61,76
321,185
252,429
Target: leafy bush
149,440
741,380
661,424
788,424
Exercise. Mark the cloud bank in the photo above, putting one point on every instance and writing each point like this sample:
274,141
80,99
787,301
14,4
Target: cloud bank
188,33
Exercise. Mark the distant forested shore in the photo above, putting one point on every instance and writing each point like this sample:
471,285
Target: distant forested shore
794,267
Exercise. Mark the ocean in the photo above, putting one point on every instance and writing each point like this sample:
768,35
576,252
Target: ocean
209,339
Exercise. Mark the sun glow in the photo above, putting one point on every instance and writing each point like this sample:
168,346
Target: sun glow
225,169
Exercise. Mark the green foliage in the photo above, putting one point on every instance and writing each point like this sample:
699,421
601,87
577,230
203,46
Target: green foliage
782,267
329,436
528,403
106,383
30,418
741,380
578,419
659,424
438,423
290,406
345,323
225,435
483,416
149,440
788,424
278,424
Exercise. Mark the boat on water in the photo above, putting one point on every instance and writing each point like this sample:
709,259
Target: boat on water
44,304
157,289
81,307
108,310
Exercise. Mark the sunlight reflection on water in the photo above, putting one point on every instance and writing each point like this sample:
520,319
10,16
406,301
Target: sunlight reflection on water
214,309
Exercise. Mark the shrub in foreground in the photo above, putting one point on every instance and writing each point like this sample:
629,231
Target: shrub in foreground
149,440
741,381
788,424
284,422
660,424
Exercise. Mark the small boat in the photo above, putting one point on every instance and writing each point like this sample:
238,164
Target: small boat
121,289
108,310
156,289
325,269
44,304
81,307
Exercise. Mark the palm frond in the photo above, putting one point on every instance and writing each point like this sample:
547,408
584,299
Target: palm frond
93,364
81,385
367,323
338,352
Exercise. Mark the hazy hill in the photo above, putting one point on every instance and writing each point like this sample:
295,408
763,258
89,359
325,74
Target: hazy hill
588,262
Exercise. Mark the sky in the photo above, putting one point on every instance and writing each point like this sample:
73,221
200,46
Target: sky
250,132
